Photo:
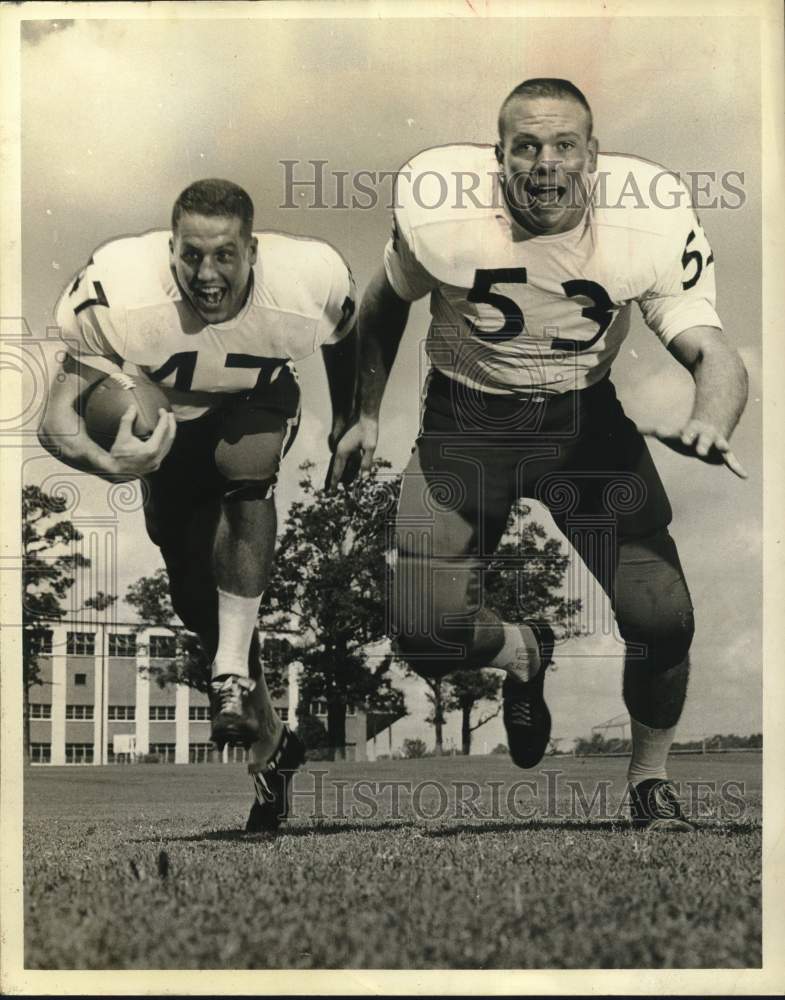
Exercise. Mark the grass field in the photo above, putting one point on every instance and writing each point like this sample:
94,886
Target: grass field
390,865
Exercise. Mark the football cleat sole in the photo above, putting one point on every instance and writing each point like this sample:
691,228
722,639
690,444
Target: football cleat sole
654,807
272,784
527,720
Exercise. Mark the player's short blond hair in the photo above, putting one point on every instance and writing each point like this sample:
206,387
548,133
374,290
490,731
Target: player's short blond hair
547,87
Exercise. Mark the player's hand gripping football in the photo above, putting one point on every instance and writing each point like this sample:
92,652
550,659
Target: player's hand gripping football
134,456
352,452
698,439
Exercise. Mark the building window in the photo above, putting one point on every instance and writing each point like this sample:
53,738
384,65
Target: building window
162,713
122,645
82,713
121,713
40,753
40,711
165,751
199,753
80,643
162,647
199,713
79,753
80,680
284,714
318,708
40,641
238,755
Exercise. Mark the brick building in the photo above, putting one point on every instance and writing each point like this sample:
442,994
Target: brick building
96,702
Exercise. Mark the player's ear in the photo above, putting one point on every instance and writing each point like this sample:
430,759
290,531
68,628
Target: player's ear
171,249
499,152
594,148
253,247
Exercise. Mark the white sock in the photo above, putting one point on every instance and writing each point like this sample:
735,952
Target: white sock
520,654
649,752
236,622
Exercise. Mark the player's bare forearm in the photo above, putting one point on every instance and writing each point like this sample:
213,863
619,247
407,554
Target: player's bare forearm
340,365
720,396
76,451
383,317
382,321
62,431
719,374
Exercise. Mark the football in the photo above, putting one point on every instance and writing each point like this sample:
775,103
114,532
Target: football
110,398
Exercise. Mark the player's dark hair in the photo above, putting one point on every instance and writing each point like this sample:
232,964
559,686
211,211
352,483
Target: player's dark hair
215,197
546,87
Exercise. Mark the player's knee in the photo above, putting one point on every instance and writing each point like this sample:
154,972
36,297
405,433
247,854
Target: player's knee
241,490
432,607
653,606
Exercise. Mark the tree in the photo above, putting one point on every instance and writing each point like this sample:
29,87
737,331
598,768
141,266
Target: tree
524,581
436,699
414,748
150,597
328,583
314,736
526,576
50,563
465,688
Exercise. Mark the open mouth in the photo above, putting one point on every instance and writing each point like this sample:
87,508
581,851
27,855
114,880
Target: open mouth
546,195
209,296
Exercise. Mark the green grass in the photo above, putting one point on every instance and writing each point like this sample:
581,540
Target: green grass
148,867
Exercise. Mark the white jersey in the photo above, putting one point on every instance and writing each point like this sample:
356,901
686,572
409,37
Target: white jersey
126,306
512,311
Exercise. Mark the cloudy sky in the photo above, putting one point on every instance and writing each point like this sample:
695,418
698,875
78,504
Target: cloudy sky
119,116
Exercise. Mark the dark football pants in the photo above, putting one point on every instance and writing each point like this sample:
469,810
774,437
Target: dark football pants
243,439
579,455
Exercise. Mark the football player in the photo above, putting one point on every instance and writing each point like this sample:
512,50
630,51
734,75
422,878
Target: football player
532,252
215,314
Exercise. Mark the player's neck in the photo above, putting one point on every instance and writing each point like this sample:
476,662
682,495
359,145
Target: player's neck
531,228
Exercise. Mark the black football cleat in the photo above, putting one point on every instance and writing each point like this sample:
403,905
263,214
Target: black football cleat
654,805
526,716
233,712
272,784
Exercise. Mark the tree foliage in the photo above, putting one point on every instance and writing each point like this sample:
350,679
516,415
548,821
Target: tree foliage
414,748
150,598
465,690
524,581
50,563
328,584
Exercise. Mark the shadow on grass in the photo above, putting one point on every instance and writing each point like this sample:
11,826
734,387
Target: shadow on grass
320,828
454,829
579,826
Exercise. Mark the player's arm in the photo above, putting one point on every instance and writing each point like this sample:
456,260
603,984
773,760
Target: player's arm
340,365
384,312
383,316
63,432
90,358
720,396
339,351
680,308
